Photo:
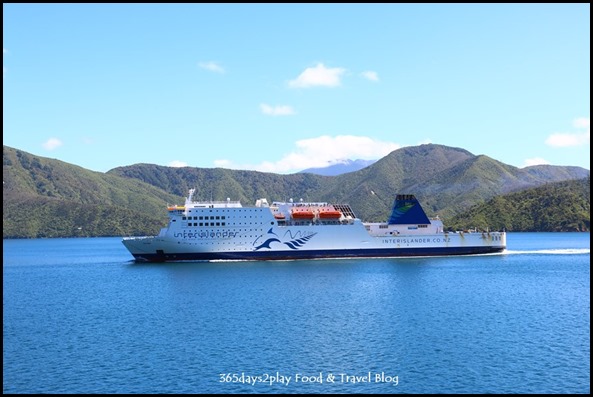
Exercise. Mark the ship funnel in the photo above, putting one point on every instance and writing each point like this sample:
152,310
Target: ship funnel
407,210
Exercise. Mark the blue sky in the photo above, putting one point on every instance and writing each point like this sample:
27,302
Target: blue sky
285,87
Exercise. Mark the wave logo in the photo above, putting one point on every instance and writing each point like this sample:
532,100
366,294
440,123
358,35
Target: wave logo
402,209
294,242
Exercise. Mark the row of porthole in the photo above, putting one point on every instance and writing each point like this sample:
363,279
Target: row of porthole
218,224
235,231
218,243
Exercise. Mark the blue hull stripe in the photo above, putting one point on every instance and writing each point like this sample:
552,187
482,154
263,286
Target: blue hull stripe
317,254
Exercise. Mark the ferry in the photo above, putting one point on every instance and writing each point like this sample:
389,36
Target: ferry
225,230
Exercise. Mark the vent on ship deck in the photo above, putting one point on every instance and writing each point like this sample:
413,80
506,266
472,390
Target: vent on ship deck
345,209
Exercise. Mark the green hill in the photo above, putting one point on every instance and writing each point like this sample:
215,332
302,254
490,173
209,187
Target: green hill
49,198
447,181
554,207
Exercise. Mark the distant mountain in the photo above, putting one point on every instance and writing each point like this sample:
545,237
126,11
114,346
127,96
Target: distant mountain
49,198
446,180
548,172
340,167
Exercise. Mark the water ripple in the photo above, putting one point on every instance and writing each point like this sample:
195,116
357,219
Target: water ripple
515,323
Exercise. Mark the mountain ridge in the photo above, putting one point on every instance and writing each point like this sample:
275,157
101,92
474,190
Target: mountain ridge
343,166
447,181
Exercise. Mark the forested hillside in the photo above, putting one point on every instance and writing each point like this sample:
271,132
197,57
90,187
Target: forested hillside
554,207
49,198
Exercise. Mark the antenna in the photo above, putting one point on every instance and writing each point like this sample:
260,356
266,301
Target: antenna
190,196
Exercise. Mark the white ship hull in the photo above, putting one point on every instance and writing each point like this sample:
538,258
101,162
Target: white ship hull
228,231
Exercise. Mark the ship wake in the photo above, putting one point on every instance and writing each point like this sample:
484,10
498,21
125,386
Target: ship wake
559,251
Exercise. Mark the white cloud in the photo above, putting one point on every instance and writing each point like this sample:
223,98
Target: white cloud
370,75
534,161
581,122
281,110
177,164
566,139
52,143
211,66
225,164
318,76
318,152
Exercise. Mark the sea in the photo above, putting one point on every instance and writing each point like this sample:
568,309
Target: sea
80,316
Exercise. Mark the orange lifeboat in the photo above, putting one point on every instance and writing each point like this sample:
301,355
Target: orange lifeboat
303,214
278,215
329,214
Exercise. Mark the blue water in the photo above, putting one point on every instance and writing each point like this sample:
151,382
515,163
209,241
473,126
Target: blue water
80,317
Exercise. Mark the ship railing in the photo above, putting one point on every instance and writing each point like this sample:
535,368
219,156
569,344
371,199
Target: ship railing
137,237
216,202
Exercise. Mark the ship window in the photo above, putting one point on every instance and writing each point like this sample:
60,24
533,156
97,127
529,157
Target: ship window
201,217
217,223
183,218
218,217
201,223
